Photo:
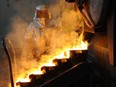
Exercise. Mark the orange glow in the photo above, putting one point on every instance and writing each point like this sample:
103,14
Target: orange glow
82,46
37,72
63,51
22,77
49,64
25,80
65,54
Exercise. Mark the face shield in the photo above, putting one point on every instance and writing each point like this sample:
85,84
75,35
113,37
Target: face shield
42,13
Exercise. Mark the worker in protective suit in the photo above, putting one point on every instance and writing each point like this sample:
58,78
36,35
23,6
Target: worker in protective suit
36,28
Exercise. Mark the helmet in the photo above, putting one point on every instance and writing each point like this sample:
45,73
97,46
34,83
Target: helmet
41,7
42,12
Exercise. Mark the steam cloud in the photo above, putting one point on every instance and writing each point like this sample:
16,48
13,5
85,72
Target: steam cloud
63,31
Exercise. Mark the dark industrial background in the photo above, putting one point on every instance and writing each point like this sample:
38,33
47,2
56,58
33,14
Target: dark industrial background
10,10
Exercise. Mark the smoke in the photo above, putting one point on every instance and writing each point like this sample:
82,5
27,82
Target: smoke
23,60
64,28
60,38
63,31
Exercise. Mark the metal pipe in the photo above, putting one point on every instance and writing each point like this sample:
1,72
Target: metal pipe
9,61
14,55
